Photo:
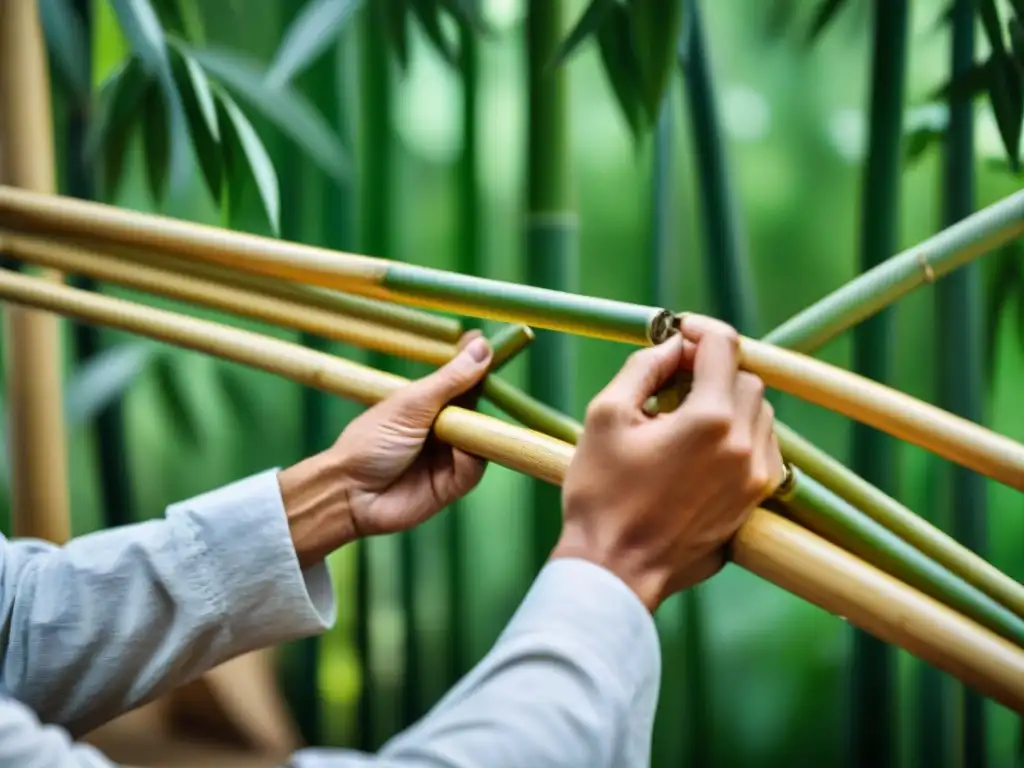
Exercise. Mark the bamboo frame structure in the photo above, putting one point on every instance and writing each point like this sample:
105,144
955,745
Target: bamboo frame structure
771,547
38,440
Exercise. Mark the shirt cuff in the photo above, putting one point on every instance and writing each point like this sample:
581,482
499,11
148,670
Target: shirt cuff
249,565
593,609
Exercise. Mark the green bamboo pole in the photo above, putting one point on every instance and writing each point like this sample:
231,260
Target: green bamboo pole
811,504
364,275
872,733
551,233
468,263
507,342
725,247
897,518
960,352
107,434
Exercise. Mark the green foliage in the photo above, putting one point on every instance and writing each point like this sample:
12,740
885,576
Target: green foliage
66,42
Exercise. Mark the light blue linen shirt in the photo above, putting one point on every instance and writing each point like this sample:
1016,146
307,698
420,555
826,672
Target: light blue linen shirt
113,619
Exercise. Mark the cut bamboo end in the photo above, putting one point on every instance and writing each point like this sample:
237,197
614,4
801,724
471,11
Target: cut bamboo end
898,414
797,560
507,342
903,522
769,546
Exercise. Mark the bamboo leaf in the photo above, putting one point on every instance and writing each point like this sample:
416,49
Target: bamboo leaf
247,159
427,11
284,107
467,12
615,44
181,17
317,24
105,379
175,401
654,25
824,16
155,141
66,42
1006,92
201,114
239,397
586,26
991,24
120,98
392,14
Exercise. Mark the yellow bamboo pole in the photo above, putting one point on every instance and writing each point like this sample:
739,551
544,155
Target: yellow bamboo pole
905,417
38,445
768,546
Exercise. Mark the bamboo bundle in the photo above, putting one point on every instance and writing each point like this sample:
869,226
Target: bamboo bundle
773,548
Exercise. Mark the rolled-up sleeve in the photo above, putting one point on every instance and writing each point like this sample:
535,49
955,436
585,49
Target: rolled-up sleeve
110,620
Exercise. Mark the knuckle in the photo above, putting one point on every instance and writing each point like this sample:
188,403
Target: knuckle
713,421
739,450
752,384
601,412
757,483
768,410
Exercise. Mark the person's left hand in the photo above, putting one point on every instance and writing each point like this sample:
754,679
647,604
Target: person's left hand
396,474
386,472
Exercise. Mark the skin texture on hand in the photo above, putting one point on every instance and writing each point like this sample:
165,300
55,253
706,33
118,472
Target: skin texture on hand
386,472
656,498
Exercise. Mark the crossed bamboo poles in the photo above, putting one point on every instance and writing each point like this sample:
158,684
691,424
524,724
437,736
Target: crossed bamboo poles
914,586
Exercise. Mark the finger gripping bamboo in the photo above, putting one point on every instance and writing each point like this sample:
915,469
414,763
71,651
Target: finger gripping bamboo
775,549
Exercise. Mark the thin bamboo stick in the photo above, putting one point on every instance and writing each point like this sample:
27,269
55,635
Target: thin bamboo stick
364,275
773,548
38,441
909,526
818,509
507,342
284,312
886,409
919,265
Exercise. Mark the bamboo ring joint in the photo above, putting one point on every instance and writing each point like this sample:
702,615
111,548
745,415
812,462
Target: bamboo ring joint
929,273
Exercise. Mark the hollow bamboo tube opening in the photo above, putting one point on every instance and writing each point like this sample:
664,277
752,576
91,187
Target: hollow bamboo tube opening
364,275
902,416
767,545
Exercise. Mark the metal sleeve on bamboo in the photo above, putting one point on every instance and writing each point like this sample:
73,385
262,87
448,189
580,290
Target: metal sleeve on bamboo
886,409
817,508
924,263
781,552
810,567
903,522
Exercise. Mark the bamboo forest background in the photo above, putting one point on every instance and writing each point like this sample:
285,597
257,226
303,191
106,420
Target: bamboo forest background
746,200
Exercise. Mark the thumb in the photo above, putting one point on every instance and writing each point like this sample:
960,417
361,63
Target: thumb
454,378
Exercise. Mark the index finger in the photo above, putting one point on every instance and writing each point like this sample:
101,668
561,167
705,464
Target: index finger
645,371
716,360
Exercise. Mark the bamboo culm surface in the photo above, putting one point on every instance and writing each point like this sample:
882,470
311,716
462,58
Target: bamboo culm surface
363,275
767,545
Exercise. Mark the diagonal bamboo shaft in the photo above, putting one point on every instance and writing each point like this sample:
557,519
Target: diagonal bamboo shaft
291,313
363,275
886,409
768,546
38,443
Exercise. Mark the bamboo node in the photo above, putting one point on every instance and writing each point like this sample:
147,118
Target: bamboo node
929,273
663,325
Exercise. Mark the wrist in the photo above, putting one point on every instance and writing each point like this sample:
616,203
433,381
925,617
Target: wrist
316,504
646,582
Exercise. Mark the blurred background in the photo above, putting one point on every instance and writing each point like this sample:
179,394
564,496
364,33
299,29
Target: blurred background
752,675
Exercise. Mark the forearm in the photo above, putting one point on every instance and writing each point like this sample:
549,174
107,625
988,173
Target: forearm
112,619
573,681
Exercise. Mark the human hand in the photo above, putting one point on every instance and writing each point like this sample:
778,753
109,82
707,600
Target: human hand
386,472
655,499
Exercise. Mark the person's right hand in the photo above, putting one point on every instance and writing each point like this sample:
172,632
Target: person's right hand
655,499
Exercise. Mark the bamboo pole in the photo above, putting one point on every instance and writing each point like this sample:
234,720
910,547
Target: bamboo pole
911,527
886,409
363,275
775,549
287,313
38,443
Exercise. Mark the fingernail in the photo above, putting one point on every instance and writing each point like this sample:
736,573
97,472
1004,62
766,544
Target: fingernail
478,349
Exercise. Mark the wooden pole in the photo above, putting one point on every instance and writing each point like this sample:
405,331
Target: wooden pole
769,546
38,445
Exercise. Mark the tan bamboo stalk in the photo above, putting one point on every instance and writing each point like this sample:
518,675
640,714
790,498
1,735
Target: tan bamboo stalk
363,275
38,444
225,296
902,416
767,545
